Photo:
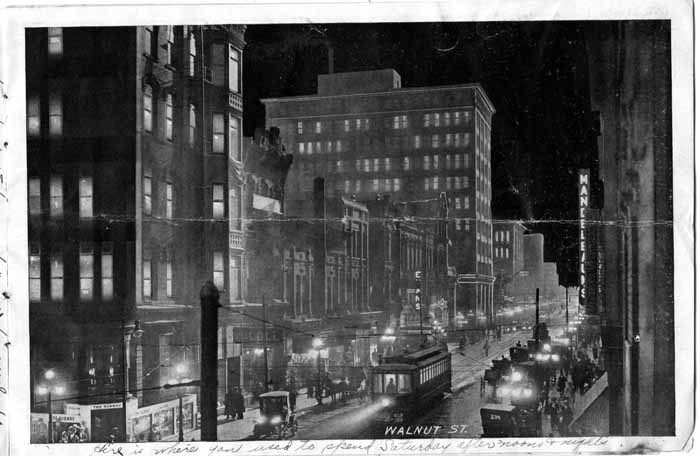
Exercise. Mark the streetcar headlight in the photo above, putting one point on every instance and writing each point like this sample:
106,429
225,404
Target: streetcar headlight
517,376
555,358
547,347
386,402
527,392
276,420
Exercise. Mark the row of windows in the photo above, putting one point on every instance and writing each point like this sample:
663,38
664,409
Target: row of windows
397,122
462,224
502,252
56,196
55,115
459,202
432,141
219,128
217,198
445,183
86,274
430,372
502,236
368,165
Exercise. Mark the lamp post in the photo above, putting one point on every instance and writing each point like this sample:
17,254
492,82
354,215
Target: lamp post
50,388
317,344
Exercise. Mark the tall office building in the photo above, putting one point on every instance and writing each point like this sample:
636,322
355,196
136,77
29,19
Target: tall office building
366,135
133,138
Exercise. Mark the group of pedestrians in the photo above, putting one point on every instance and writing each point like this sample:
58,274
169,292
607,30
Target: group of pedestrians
234,404
560,414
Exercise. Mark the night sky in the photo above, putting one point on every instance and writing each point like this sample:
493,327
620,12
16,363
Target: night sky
535,73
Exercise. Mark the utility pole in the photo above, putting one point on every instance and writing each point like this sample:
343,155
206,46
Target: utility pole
209,297
264,306
537,317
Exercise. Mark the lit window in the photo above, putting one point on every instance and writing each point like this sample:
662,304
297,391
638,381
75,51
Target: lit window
406,163
458,202
318,127
375,185
218,133
107,273
192,128
233,69
397,184
34,196
358,124
458,161
436,183
358,186
448,161
300,128
56,196
375,164
435,141
436,119
235,206
170,38
57,276
55,41
346,186
236,292
148,40
426,183
457,140
426,120
169,117
301,147
346,125
329,146
147,283
507,252
234,142
458,225
85,193
387,164
366,164
397,122
218,201
309,147
169,278
147,192
365,123
192,55
318,147
507,236
147,108
436,161
426,162
34,274
448,183
33,117
168,200
339,166
218,269
458,183
55,114
465,139
446,118
87,272
458,117
416,142
339,146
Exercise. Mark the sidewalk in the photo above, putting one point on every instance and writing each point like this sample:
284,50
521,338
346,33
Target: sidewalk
229,430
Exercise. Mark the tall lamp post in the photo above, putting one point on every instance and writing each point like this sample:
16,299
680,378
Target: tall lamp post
48,389
317,344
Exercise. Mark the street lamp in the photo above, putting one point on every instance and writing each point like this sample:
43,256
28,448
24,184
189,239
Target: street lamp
317,344
49,389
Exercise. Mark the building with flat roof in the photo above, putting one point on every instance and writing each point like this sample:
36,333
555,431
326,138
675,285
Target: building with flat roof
366,135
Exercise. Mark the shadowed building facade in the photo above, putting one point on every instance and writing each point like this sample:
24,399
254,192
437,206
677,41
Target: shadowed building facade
367,136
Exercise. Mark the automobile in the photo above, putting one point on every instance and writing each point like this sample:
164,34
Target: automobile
498,420
277,416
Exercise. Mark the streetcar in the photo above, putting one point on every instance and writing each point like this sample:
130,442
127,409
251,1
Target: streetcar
405,385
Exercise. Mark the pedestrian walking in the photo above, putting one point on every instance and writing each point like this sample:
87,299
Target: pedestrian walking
486,347
238,403
228,404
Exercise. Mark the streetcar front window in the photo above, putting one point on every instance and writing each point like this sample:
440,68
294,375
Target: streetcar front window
392,383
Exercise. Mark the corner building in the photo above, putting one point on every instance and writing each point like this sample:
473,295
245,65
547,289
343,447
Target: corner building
366,135
133,140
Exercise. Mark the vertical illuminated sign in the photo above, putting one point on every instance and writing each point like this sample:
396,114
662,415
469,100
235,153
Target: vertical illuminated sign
583,194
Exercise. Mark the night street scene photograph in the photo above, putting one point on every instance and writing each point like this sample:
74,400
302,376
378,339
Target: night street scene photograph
317,231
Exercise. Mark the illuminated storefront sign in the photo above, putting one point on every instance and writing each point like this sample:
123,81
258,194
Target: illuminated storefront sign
583,194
